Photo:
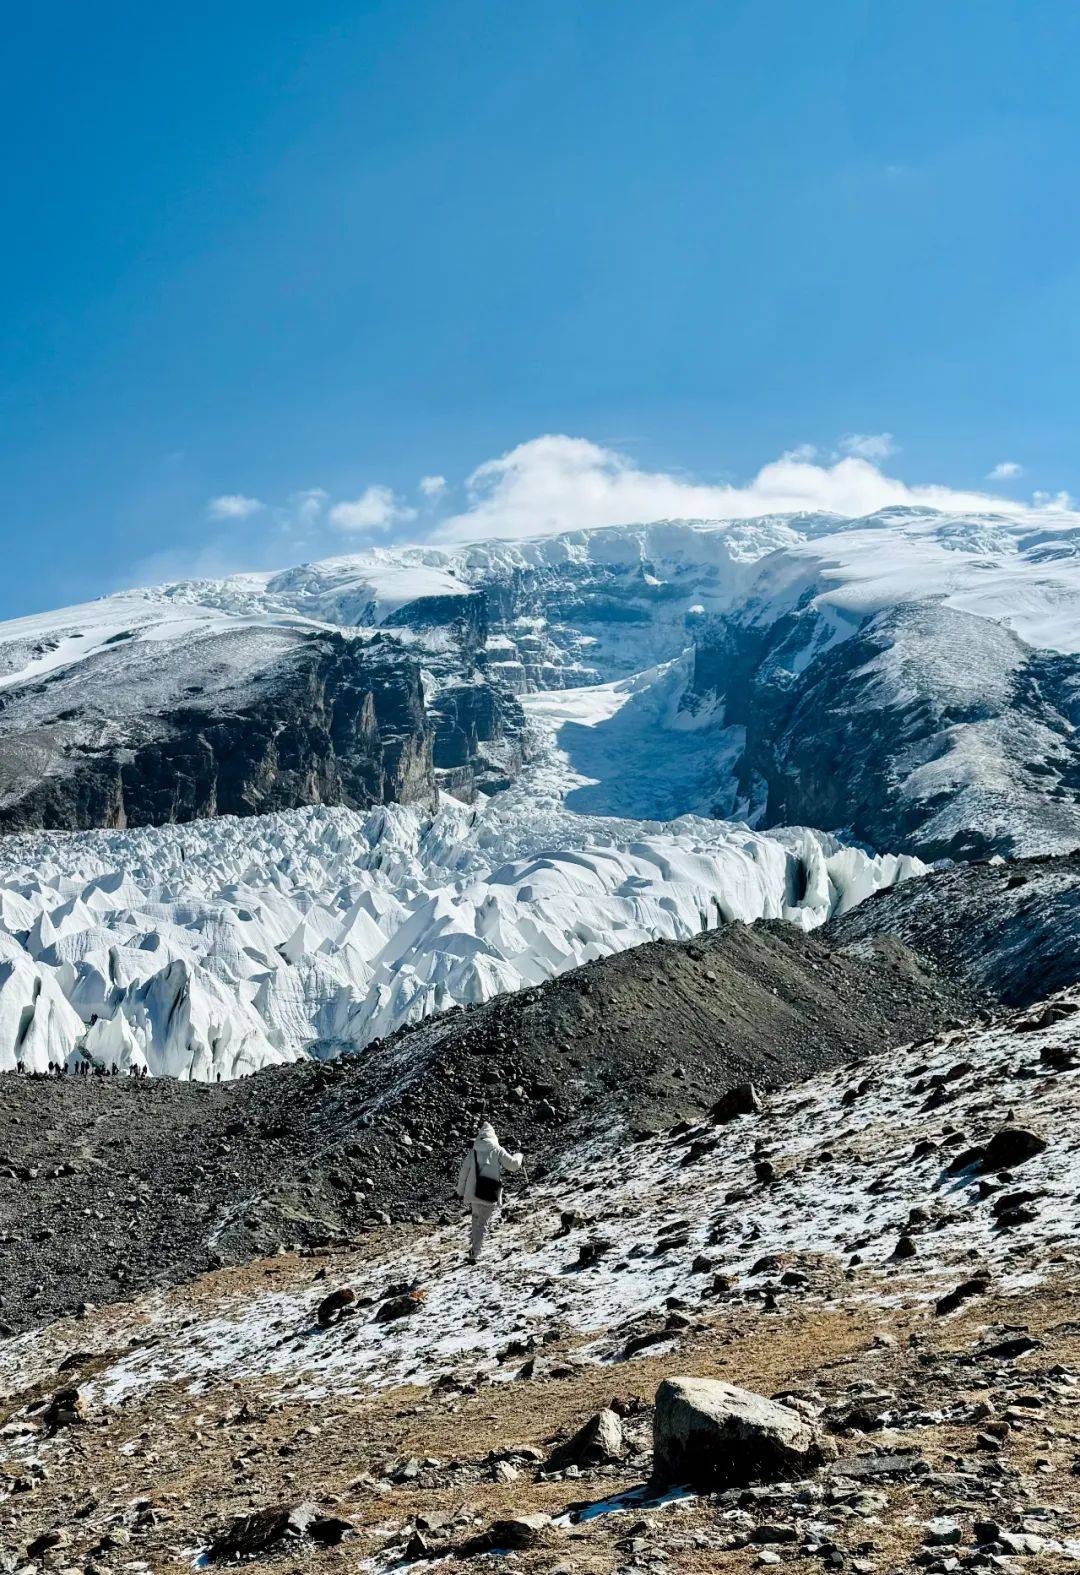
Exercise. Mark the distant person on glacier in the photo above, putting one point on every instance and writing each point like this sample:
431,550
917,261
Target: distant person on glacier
479,1183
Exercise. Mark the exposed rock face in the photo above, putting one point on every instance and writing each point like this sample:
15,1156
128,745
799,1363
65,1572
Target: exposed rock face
287,720
478,737
928,729
706,1431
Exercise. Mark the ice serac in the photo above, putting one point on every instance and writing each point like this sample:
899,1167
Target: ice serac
215,948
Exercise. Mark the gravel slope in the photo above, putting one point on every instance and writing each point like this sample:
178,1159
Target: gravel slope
1010,930
108,1186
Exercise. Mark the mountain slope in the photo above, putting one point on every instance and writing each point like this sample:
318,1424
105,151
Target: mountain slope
927,728
180,1175
940,651
907,1299
1011,930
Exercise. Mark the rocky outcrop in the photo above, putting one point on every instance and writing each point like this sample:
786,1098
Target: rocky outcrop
479,729
322,719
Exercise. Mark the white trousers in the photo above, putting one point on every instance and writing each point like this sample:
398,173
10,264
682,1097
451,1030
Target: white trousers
482,1215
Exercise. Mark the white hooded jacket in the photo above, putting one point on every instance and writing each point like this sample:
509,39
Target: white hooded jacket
489,1157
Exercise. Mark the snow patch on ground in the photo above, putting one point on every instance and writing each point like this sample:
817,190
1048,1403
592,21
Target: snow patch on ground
853,1152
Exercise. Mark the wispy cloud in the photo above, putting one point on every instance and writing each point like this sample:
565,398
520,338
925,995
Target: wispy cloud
1005,470
432,486
233,506
376,509
306,507
875,446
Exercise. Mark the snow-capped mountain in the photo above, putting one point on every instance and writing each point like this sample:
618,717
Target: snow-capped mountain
465,770
911,679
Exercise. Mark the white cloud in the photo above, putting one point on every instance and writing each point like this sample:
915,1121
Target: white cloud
1005,470
558,483
233,506
868,445
377,508
431,486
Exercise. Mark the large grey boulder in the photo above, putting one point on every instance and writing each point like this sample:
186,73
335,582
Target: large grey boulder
706,1431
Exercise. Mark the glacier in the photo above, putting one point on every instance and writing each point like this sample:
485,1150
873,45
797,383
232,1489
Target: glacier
213,949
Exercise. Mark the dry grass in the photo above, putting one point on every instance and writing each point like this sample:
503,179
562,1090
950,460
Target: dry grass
202,1458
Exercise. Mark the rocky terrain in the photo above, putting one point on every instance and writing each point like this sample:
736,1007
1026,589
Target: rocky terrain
879,1258
1010,929
110,1185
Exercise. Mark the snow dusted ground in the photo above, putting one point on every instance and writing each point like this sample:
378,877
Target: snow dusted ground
853,1153
212,949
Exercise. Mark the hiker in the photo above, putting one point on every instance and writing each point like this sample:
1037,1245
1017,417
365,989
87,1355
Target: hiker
479,1183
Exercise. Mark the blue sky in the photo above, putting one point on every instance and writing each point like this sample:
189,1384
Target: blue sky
305,255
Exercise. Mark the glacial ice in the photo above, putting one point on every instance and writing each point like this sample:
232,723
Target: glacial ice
213,949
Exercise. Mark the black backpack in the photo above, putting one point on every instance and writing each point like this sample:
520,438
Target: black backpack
486,1189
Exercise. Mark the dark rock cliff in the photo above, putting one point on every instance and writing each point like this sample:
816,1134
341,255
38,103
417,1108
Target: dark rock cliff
323,719
927,730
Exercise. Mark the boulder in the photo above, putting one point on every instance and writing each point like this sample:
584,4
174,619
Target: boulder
46,1543
977,1286
400,1306
744,1100
263,1531
709,1432
515,1535
331,1307
598,1443
1012,1146
67,1408
522,1531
